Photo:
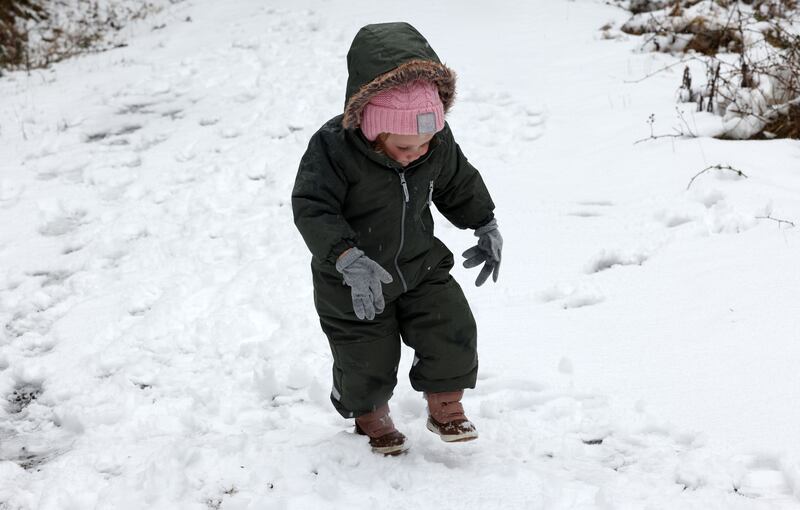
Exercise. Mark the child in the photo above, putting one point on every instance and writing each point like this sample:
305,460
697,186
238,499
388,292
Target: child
362,201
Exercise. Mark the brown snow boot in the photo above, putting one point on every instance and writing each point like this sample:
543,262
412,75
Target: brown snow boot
383,437
446,417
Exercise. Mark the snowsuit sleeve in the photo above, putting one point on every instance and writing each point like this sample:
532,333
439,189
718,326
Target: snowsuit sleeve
459,192
319,190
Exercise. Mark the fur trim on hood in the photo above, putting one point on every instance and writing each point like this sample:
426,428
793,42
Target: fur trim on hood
442,76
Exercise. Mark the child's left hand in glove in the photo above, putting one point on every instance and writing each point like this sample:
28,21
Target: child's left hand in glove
488,250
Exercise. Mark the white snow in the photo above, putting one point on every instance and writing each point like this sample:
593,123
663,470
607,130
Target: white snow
160,348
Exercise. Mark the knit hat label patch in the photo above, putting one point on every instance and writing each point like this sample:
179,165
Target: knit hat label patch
426,123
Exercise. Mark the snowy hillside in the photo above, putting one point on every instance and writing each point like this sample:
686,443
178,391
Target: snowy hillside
160,349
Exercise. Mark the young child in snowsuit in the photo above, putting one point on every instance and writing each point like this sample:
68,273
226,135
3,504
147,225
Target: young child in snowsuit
362,202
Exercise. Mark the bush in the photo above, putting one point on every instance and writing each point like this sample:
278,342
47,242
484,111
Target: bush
37,33
13,40
752,55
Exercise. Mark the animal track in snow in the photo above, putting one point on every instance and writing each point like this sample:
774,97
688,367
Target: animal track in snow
585,214
675,217
597,203
722,218
573,295
71,248
707,196
607,259
534,125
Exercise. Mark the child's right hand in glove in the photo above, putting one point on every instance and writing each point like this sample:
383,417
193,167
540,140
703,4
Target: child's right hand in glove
364,276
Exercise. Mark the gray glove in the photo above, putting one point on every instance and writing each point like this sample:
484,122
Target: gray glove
488,250
364,276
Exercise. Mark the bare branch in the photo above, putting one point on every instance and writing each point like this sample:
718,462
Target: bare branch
777,220
661,70
716,167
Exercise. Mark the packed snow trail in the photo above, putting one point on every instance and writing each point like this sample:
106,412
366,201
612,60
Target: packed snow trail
160,349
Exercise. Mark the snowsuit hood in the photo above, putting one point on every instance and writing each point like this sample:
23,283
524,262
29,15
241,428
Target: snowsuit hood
385,55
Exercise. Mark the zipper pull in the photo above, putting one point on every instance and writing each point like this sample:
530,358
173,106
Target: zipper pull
430,194
405,187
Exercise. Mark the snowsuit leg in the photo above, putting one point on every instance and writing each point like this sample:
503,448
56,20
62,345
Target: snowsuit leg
433,318
365,353
436,321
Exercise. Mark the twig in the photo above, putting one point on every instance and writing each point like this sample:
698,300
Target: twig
656,137
692,134
679,132
710,106
670,66
21,124
778,221
716,167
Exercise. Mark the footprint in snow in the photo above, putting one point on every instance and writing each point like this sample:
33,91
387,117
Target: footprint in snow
23,395
34,317
64,224
106,132
51,277
135,107
764,478
10,192
29,439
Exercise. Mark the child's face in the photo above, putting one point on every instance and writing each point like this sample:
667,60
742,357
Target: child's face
405,149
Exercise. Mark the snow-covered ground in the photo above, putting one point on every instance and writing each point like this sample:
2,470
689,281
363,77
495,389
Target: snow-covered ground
160,349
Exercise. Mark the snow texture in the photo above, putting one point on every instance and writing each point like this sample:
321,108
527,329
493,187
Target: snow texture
159,347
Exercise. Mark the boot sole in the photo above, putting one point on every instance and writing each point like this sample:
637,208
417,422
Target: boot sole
452,438
390,451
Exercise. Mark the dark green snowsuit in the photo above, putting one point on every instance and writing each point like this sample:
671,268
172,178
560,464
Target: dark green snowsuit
346,194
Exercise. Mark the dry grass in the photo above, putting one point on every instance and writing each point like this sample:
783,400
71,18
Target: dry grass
785,124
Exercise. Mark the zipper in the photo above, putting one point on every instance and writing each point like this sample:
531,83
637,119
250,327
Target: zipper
407,198
428,203
405,185
402,229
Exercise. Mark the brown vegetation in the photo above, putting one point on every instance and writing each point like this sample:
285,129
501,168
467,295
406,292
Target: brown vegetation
752,53
13,39
37,33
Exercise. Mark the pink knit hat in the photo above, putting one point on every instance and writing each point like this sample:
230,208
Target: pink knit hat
411,109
